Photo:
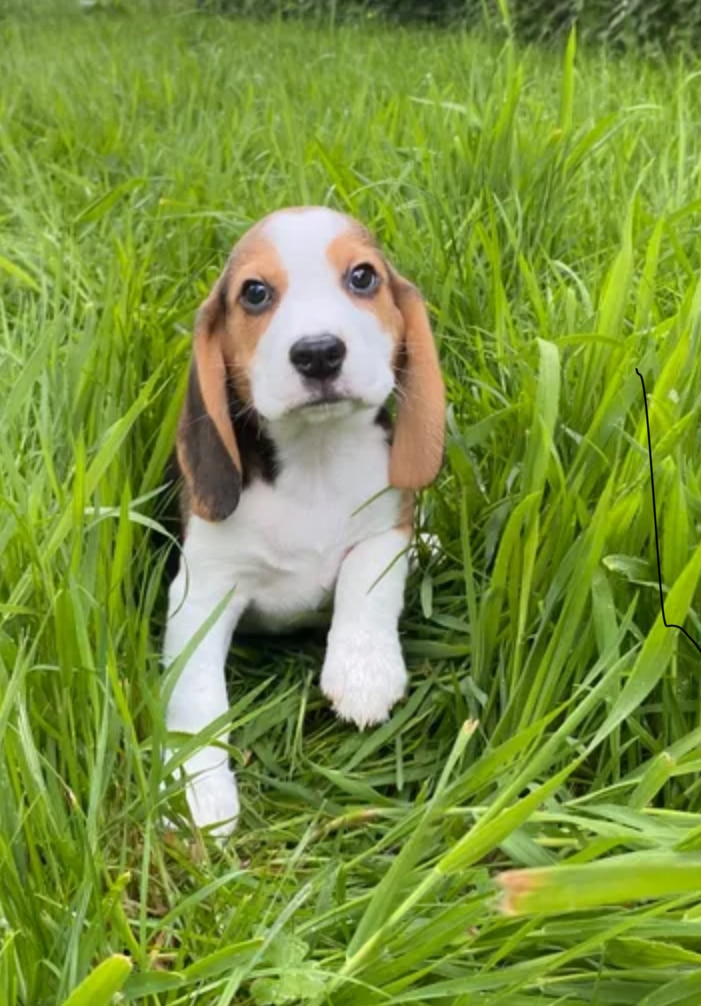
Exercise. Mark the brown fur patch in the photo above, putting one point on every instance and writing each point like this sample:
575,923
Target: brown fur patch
210,364
352,248
417,446
254,257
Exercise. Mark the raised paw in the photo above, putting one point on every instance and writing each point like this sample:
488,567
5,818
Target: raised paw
363,675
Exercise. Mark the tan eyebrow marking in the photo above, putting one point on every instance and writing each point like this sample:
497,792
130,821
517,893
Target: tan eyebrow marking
254,257
357,245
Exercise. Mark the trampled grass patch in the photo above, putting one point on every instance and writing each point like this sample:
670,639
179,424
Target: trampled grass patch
548,205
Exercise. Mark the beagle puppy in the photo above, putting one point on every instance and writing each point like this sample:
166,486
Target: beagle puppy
297,487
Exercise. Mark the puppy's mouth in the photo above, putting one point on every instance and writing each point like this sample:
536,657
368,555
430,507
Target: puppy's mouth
325,398
327,405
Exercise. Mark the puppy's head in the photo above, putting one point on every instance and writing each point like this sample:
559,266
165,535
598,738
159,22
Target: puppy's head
308,323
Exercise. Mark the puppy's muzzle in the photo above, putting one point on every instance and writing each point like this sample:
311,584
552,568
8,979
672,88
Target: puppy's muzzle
318,357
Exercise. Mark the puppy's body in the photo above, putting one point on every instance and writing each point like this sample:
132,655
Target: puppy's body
294,497
284,544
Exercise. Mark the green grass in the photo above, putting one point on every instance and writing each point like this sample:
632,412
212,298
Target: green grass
549,207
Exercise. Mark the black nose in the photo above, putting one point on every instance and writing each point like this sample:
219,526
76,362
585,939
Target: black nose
318,356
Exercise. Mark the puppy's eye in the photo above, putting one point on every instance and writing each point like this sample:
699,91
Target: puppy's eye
255,295
363,279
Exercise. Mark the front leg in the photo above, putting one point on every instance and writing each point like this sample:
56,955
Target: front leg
364,673
199,696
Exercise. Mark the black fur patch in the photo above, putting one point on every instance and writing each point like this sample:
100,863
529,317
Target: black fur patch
215,479
384,420
259,457
217,483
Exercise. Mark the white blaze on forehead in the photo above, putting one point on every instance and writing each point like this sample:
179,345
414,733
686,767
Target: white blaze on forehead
302,238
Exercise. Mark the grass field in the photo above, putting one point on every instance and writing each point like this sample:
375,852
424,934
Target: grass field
549,208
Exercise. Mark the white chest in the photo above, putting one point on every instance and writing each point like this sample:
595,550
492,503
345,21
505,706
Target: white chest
283,546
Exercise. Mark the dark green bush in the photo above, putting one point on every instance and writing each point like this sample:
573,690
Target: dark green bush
617,22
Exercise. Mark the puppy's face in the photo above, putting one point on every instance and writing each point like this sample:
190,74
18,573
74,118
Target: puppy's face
308,322
312,327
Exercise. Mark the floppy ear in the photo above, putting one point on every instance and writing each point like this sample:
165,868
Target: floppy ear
417,447
206,444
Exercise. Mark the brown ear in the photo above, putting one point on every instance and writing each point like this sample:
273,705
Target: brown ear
417,447
206,444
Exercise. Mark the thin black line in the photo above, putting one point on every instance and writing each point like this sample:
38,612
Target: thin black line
668,625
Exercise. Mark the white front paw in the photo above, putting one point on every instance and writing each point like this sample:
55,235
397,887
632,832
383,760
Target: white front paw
363,674
213,798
